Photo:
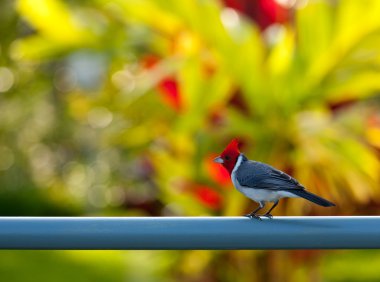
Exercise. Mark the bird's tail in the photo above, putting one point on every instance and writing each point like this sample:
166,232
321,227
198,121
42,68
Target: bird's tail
312,197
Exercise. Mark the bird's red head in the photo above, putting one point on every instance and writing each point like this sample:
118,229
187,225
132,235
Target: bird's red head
229,156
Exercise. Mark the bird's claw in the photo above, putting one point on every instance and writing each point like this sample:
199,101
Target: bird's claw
251,216
268,215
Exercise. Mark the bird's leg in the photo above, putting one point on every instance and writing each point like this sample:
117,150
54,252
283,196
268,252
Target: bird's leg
267,214
253,214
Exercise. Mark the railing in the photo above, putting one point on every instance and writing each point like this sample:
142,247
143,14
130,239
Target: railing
189,233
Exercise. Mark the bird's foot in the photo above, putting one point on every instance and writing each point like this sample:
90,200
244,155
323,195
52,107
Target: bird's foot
252,215
268,215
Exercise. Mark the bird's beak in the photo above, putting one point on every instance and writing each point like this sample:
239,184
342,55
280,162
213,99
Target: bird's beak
219,160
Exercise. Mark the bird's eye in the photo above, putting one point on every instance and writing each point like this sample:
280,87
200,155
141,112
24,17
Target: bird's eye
227,158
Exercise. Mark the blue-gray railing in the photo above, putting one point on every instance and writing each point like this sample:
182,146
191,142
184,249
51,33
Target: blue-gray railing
189,233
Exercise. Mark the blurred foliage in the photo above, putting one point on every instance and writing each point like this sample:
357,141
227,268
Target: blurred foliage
118,107
84,266
364,262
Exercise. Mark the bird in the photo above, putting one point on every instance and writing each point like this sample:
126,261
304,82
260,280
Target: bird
261,182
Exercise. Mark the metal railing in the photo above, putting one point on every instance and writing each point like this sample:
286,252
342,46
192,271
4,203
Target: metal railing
168,233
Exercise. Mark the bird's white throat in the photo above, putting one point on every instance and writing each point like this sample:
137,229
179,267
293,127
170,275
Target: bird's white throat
233,173
238,163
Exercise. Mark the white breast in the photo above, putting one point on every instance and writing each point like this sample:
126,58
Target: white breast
258,195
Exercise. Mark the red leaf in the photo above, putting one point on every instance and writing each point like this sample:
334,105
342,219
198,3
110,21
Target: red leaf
208,197
263,12
167,87
149,61
169,90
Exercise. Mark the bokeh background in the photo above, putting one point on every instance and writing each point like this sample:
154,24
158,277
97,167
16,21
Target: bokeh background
116,108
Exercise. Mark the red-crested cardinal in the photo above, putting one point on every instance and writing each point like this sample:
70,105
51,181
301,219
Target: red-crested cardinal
261,182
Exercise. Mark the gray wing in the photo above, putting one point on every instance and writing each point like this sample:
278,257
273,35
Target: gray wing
262,176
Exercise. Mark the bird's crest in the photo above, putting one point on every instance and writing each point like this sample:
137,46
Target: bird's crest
233,146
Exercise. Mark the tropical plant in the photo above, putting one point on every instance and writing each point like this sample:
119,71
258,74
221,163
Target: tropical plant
118,107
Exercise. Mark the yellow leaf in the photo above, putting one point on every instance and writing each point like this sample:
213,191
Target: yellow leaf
373,136
52,19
